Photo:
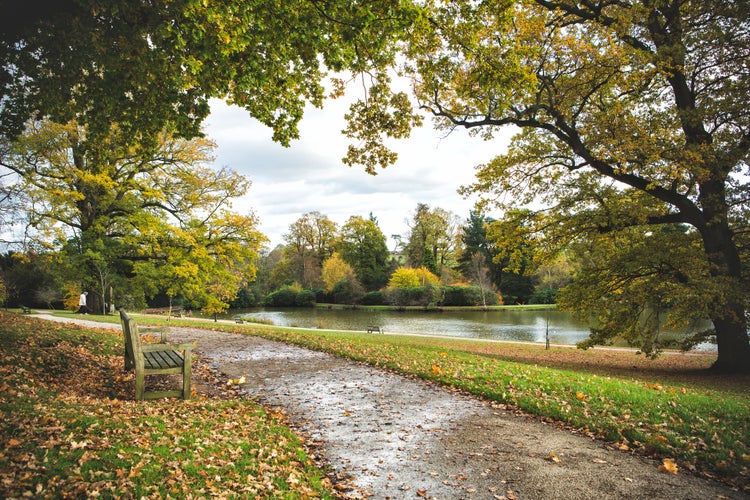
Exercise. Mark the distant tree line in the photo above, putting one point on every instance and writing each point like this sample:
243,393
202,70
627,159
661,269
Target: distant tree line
321,262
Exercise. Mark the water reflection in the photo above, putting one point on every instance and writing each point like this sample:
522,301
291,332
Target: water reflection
523,325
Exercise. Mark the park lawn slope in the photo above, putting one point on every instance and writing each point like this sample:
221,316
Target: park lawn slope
71,429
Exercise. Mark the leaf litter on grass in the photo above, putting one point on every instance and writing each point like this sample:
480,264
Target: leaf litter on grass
71,428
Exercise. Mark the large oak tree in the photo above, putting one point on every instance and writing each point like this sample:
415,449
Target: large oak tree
632,113
118,208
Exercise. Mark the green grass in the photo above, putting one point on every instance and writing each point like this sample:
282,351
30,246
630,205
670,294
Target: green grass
666,408
697,419
68,428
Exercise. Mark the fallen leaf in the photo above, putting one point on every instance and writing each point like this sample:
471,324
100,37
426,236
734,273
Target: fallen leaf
580,396
669,466
552,457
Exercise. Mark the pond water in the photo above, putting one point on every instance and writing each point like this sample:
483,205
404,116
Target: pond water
523,325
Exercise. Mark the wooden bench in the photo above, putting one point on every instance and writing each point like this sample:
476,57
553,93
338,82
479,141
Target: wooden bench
154,359
374,329
174,311
239,320
26,310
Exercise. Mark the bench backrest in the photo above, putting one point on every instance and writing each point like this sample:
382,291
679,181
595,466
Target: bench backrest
132,339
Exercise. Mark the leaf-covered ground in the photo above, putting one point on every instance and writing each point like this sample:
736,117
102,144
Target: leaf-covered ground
69,428
666,409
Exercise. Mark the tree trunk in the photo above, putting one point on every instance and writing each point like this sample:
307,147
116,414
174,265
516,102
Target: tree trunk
729,320
732,340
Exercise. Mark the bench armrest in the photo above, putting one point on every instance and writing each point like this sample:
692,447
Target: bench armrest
166,347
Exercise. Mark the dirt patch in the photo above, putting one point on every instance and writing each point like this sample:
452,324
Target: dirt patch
389,436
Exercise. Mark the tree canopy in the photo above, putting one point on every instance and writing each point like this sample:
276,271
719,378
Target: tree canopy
148,65
363,247
632,115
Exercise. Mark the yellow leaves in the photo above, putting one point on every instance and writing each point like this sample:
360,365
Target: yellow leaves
335,270
436,370
405,277
580,396
552,457
668,466
236,381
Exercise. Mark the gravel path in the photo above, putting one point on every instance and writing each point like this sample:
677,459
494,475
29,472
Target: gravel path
390,436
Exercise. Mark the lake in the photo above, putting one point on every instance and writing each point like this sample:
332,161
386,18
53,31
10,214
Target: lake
523,325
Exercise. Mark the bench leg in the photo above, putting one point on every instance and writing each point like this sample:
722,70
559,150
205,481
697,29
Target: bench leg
186,375
140,383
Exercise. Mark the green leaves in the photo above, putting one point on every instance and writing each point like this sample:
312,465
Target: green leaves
381,115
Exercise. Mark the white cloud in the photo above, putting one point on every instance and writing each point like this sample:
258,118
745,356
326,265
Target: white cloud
309,175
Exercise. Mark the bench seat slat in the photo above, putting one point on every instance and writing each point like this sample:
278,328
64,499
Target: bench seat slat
163,359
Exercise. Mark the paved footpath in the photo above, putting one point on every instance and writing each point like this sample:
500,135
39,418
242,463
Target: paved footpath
399,437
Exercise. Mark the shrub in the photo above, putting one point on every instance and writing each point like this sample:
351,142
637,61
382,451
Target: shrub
468,296
285,297
545,296
245,298
425,296
406,277
374,299
347,292
305,298
462,296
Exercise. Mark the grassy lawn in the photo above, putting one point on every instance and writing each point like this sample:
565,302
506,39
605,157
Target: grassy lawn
666,408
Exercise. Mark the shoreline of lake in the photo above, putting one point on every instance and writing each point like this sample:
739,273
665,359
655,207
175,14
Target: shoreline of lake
538,323
515,307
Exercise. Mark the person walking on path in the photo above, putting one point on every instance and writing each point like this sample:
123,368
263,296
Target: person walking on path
82,307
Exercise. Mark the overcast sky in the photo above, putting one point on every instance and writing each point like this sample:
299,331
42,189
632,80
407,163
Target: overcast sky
309,175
